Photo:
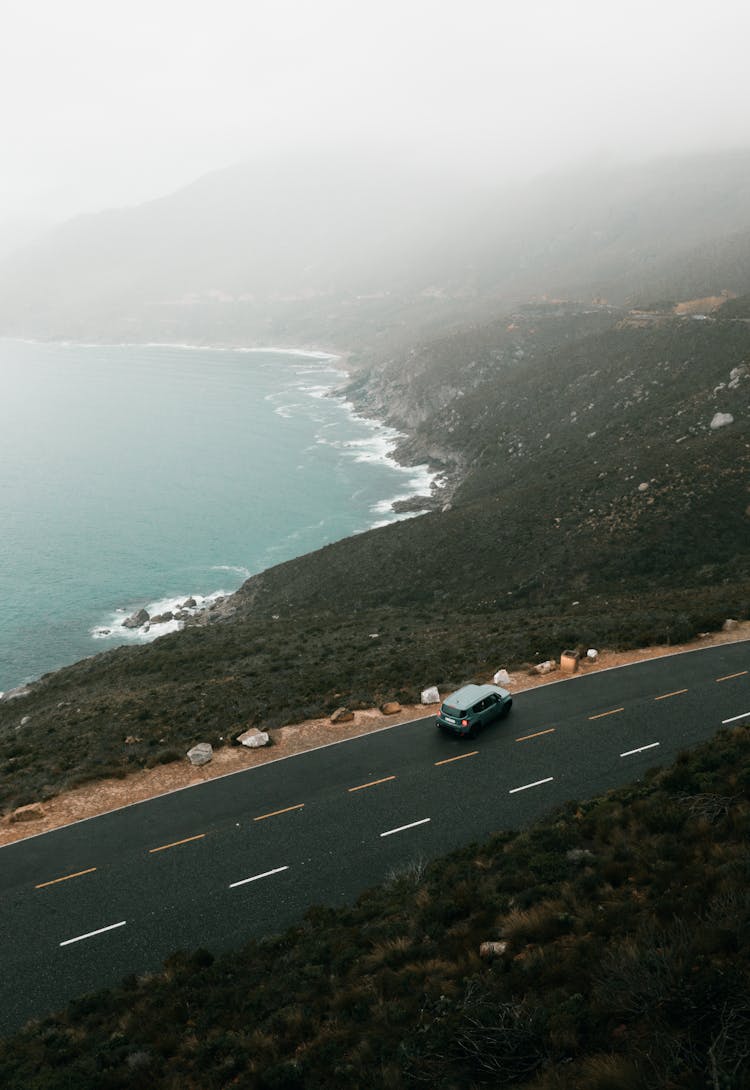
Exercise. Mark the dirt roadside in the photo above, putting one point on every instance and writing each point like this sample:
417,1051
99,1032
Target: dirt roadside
93,799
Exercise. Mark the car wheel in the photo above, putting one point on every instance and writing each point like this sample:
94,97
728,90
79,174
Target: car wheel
507,708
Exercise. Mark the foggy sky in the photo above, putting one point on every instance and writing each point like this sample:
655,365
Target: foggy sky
107,103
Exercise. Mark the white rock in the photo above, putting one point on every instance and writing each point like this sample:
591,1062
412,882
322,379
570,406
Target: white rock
26,719
545,667
643,486
492,949
592,654
253,738
200,754
502,677
431,695
720,420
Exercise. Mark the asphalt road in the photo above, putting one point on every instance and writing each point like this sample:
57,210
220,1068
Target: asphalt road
245,855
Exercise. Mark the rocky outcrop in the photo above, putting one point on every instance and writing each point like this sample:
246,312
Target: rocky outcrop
137,619
162,618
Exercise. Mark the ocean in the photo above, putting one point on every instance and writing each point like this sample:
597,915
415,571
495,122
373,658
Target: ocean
143,475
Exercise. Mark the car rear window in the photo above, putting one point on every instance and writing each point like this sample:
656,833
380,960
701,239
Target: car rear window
455,712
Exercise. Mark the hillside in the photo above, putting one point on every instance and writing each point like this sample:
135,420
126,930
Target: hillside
595,505
619,959
372,252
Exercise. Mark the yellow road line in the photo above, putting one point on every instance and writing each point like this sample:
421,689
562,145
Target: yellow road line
460,757
275,813
730,676
601,715
176,843
65,878
666,696
373,783
539,733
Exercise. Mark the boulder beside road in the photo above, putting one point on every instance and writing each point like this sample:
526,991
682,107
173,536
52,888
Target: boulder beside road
200,754
253,738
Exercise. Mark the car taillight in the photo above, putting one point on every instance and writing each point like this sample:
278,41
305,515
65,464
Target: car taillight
464,722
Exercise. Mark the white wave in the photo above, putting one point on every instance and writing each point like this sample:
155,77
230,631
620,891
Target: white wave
285,411
245,572
318,371
315,391
114,627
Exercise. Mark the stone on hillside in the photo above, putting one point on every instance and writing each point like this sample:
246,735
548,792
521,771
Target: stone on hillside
26,719
33,812
342,715
253,738
502,677
391,707
569,661
545,667
137,619
189,603
643,486
492,949
720,420
431,695
579,855
200,754
729,625
592,654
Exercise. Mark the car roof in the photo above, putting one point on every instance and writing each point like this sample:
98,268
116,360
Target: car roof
469,694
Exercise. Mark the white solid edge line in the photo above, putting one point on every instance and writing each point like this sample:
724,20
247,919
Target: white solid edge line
365,734
630,752
90,934
255,877
735,718
526,786
402,827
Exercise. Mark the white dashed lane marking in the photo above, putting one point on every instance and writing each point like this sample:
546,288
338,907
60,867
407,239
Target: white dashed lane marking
90,934
257,877
641,749
402,828
526,786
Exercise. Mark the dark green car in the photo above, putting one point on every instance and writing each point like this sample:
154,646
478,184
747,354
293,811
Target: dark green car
474,706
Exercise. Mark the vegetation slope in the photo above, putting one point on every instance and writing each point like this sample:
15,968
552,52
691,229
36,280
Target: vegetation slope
596,507
625,931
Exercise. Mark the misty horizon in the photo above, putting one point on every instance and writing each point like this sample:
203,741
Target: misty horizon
112,113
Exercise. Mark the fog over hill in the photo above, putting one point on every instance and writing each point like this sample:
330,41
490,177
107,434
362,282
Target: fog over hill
343,249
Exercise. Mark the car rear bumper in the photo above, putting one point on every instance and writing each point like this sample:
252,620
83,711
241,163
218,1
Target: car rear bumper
455,729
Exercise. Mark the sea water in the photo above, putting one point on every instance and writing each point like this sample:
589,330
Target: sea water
142,475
